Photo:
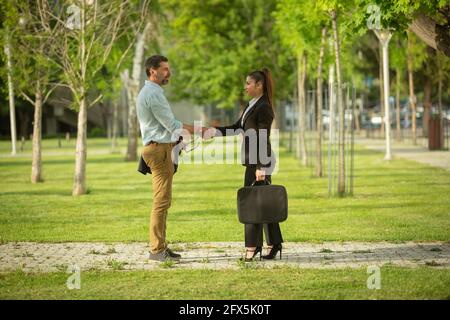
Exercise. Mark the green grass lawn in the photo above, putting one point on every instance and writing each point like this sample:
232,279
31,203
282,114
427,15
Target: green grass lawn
394,201
283,283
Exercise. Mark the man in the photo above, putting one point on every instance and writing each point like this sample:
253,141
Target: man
160,132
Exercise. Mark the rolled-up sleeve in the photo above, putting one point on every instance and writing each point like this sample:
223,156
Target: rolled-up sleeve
163,113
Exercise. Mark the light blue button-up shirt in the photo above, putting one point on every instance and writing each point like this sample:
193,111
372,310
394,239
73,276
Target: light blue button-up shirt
155,116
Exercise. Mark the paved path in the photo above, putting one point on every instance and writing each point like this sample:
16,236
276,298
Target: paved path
50,257
440,159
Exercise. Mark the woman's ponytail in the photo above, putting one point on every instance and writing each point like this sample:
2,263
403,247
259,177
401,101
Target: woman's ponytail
268,83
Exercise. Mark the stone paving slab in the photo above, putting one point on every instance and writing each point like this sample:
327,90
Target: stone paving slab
53,257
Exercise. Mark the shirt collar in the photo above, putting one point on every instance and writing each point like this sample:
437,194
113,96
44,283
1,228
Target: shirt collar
154,85
252,102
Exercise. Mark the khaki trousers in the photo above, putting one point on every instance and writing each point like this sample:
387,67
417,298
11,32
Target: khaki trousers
158,157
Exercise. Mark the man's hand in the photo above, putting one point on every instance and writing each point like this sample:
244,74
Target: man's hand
209,133
200,130
193,129
260,175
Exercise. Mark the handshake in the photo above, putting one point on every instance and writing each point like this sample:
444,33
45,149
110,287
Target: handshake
193,135
207,133
204,132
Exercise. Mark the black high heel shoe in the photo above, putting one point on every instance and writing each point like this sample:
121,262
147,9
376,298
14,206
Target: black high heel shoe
273,252
255,252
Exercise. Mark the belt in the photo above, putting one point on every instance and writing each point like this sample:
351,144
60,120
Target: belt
169,143
151,142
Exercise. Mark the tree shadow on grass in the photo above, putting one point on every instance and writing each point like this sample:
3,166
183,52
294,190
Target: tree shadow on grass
60,192
45,162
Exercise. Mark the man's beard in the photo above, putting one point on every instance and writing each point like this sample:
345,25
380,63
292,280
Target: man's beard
164,81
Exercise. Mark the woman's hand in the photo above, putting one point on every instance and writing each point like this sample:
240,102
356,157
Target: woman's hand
209,133
260,175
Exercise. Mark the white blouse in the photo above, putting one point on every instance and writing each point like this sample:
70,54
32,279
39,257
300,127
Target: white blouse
251,103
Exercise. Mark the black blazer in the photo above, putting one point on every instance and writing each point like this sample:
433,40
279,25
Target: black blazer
259,117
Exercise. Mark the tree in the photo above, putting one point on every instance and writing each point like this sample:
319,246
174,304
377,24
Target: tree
302,153
406,16
429,20
384,36
10,24
428,28
334,8
319,161
340,103
415,58
398,61
302,28
443,72
133,89
215,44
85,39
34,71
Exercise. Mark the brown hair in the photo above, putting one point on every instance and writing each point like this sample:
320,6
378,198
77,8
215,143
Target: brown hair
264,75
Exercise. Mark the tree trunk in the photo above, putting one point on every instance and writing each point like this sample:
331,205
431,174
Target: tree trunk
24,120
36,166
133,90
331,129
319,169
79,185
426,105
384,37
12,109
115,119
412,97
341,174
132,123
358,111
107,118
291,120
302,152
380,73
124,103
433,34
440,83
397,103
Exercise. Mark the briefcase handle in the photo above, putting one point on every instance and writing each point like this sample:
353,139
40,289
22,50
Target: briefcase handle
265,180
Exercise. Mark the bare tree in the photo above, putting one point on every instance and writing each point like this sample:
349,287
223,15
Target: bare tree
84,42
37,34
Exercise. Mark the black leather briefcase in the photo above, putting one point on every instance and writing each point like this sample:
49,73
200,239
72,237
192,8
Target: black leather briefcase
262,204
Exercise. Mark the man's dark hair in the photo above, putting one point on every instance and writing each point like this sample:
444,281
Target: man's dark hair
154,62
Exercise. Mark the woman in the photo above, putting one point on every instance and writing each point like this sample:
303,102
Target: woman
257,118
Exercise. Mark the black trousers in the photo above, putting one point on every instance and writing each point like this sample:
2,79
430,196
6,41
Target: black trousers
254,232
